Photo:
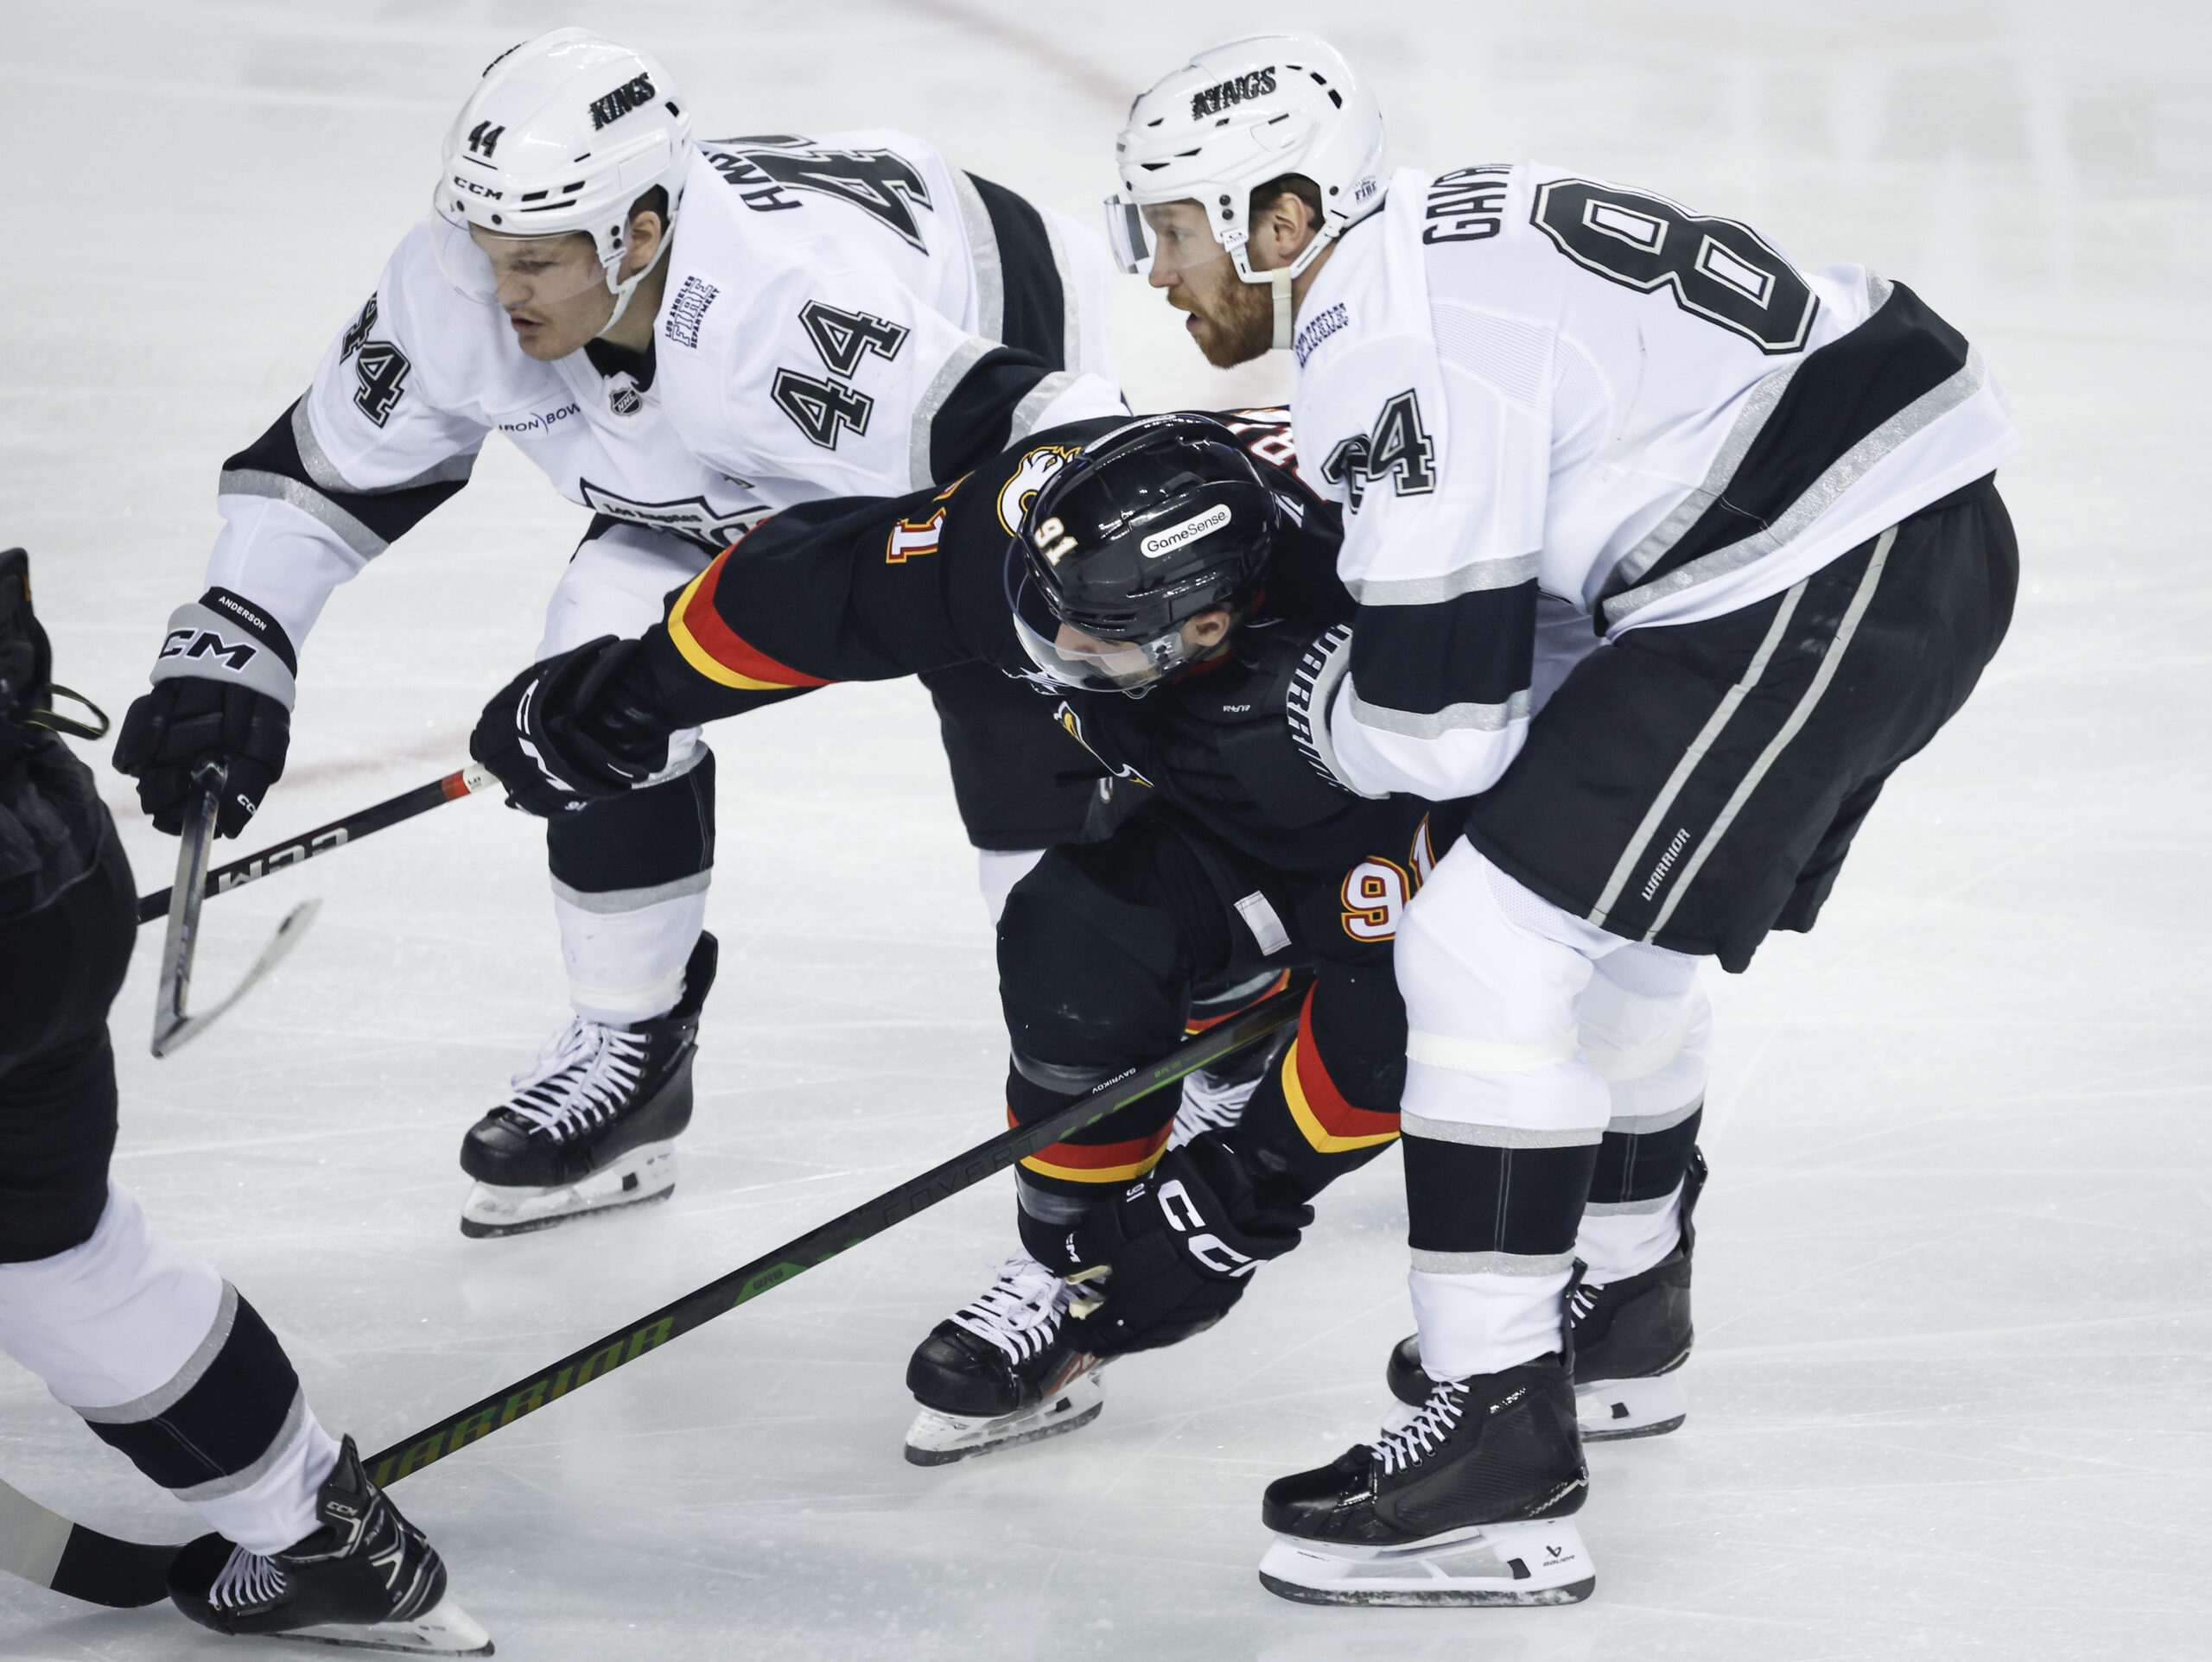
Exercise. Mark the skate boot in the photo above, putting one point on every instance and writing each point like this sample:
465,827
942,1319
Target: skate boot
1469,1504
593,1125
1630,1337
1001,1371
1214,1098
366,1577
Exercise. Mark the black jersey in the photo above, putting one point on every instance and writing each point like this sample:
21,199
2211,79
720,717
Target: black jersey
874,588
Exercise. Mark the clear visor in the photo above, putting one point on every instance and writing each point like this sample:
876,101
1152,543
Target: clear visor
1126,235
1075,659
516,272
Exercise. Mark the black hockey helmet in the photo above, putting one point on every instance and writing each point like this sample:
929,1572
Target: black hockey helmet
1147,527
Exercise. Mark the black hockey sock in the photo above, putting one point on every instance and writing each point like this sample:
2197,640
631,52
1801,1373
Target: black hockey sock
1639,1167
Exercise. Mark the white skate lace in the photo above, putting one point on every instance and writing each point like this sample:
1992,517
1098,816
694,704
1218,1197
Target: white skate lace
1021,1311
581,1078
1403,1448
1209,1104
248,1581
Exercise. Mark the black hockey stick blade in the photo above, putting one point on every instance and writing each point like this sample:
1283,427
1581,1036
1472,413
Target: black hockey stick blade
748,1281
324,838
44,1548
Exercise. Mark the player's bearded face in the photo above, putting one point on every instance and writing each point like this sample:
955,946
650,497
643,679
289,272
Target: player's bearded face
1233,321
553,289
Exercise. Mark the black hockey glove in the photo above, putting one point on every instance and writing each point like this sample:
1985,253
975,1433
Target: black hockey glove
572,730
181,723
222,693
1178,1249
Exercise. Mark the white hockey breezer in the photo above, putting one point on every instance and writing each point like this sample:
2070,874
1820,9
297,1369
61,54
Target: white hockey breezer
1541,1563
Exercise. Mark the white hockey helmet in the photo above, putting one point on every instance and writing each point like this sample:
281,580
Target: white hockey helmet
1235,117
562,135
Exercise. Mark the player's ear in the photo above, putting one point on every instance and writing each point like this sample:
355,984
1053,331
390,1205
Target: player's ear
1210,628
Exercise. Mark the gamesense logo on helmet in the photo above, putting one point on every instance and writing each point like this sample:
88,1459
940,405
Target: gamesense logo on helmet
1175,537
1212,100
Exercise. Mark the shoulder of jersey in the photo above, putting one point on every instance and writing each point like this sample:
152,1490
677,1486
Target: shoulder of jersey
873,189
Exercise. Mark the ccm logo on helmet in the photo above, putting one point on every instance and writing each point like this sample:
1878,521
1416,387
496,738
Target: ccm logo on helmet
1175,537
629,96
475,189
1213,100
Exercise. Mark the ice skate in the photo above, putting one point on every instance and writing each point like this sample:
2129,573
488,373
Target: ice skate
1471,1503
367,1578
592,1124
1002,1371
1631,1337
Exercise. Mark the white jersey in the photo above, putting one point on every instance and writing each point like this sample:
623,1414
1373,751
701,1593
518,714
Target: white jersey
1532,390
850,317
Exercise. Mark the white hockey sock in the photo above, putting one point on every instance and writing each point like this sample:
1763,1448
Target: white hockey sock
1481,1322
626,950
124,1327
1619,1241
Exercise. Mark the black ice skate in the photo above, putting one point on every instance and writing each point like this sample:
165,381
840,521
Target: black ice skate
1468,1504
1001,1371
1630,1337
366,1577
593,1125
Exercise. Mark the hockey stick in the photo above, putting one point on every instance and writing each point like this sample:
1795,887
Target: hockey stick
748,1281
324,838
44,1548
173,1027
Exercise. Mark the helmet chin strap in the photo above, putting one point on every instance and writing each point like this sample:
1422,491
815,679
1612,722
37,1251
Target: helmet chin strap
1281,277
622,291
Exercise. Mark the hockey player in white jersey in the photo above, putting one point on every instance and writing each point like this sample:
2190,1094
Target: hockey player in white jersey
1672,552
685,336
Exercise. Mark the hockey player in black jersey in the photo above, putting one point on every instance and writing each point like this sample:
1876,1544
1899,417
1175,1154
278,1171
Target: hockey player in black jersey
164,1360
1104,561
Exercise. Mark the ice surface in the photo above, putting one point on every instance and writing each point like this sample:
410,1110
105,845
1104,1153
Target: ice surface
1951,1395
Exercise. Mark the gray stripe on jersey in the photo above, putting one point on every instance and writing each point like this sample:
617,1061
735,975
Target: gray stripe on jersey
162,1398
1070,315
1458,1131
1819,497
1837,646
983,249
1434,591
1491,1263
1031,410
965,357
610,900
1642,1125
253,482
1649,827
280,1445
1453,718
1877,291
1758,407
324,471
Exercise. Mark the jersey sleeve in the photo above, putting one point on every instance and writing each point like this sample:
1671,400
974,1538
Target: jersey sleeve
356,462
860,389
1443,480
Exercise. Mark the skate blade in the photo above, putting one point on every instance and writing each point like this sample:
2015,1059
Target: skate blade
937,1439
446,1629
1612,1410
646,1173
1541,1563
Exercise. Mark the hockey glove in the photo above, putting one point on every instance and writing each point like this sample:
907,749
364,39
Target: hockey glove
222,693
169,732
1177,1250
572,730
